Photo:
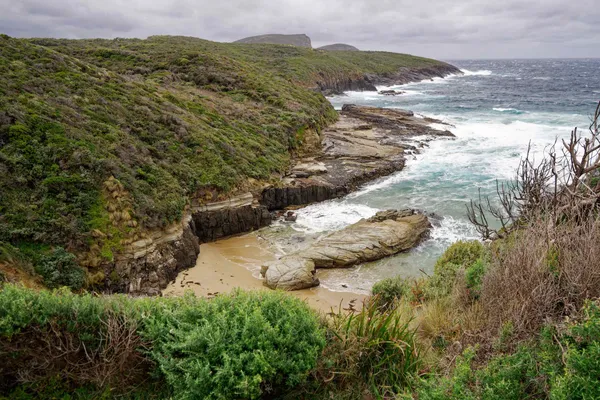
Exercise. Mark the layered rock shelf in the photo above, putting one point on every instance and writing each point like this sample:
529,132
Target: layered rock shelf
387,233
366,143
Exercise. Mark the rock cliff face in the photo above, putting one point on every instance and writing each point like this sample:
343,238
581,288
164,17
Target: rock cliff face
295,40
236,215
368,82
147,265
387,233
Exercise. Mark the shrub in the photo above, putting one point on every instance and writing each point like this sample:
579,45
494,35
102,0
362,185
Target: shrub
387,291
461,255
243,345
541,274
581,376
59,268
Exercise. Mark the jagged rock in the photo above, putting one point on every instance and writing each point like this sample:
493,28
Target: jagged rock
387,233
291,216
290,273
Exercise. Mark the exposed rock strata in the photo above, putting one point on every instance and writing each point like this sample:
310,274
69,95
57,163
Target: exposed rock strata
147,265
387,233
366,143
230,217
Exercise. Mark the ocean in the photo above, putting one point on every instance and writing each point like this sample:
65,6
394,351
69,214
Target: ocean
496,109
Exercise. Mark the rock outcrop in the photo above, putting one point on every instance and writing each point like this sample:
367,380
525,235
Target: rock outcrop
366,143
238,214
330,85
387,233
149,264
300,40
338,47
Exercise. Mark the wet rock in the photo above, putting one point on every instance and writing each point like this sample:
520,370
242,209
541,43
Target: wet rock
386,233
365,144
391,92
291,216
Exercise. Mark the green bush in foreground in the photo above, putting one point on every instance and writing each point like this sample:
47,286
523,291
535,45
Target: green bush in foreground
557,366
241,345
238,346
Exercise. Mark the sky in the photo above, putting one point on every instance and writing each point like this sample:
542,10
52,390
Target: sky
443,29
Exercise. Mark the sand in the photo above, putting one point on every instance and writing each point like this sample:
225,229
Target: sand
235,263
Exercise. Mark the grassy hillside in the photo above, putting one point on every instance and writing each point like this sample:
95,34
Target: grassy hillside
167,117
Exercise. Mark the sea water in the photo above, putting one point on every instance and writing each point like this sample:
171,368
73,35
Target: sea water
496,109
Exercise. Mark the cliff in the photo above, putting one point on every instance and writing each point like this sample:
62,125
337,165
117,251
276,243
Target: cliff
127,152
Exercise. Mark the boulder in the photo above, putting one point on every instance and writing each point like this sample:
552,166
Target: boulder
386,233
290,273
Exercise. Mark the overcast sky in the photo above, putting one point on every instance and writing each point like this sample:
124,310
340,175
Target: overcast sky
445,29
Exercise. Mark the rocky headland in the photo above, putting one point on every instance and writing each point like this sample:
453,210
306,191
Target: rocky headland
364,144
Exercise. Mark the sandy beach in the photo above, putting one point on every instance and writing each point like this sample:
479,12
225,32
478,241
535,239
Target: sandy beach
235,262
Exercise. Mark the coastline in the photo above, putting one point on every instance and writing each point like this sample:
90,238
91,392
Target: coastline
229,263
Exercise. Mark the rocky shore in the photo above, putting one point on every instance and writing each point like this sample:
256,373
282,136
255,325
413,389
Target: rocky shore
364,144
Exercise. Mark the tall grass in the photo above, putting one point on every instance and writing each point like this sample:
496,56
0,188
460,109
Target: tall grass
373,349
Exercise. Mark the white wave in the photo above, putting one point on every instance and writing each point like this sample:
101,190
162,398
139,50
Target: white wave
452,230
482,72
508,110
330,216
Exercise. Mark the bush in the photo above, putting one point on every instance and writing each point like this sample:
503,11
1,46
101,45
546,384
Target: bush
239,346
59,268
460,256
242,345
581,377
387,291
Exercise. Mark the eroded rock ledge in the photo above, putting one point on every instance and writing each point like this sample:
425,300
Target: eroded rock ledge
387,233
366,143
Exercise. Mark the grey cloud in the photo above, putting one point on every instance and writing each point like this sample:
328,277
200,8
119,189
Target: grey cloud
444,29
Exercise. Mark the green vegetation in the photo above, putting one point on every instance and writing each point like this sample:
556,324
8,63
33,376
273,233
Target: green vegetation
167,119
238,346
